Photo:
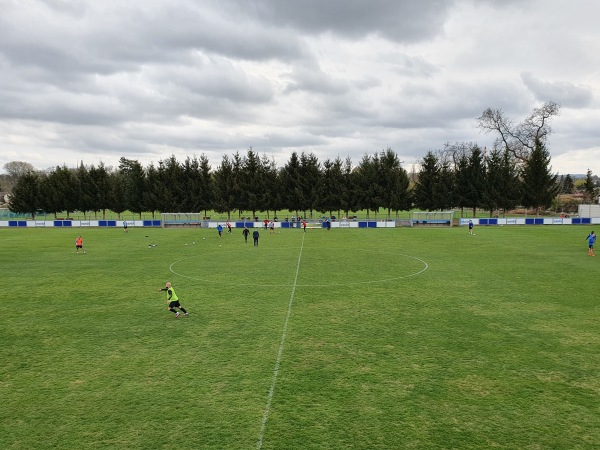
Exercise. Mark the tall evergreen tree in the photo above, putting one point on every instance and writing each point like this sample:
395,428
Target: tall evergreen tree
330,187
118,196
492,195
224,190
153,190
424,192
589,188
207,188
134,180
272,194
85,190
471,179
60,191
236,189
49,201
568,186
349,197
190,183
338,184
26,194
393,183
477,180
171,192
252,183
539,184
367,176
310,174
292,184
511,191
445,189
100,180
462,176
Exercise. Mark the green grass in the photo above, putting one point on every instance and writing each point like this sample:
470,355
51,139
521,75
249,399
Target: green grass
390,339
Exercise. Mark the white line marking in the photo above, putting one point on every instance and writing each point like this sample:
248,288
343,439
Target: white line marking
279,355
381,280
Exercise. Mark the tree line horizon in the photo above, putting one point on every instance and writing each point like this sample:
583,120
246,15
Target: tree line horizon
516,172
476,179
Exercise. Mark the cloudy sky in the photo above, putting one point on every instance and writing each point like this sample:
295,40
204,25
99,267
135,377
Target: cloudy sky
98,80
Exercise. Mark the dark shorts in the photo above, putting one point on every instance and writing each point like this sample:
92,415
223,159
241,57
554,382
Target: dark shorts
79,246
591,246
174,304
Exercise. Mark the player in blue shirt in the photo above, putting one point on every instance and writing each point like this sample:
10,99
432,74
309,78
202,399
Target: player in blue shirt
591,238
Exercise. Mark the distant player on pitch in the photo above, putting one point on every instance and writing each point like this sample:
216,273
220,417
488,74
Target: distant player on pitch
173,300
591,238
79,244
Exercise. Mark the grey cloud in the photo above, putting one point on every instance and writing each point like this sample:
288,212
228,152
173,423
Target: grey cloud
314,80
562,92
445,105
218,79
63,107
400,21
579,133
209,29
412,66
67,7
211,88
289,139
150,78
116,36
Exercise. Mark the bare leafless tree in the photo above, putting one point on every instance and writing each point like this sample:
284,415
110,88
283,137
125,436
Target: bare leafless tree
14,171
454,151
519,138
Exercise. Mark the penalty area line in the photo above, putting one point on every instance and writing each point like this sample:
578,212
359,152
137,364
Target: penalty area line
279,354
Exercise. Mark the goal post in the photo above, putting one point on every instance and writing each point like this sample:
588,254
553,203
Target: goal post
432,218
404,222
182,219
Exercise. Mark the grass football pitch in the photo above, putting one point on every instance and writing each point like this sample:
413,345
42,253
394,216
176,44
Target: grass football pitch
342,339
